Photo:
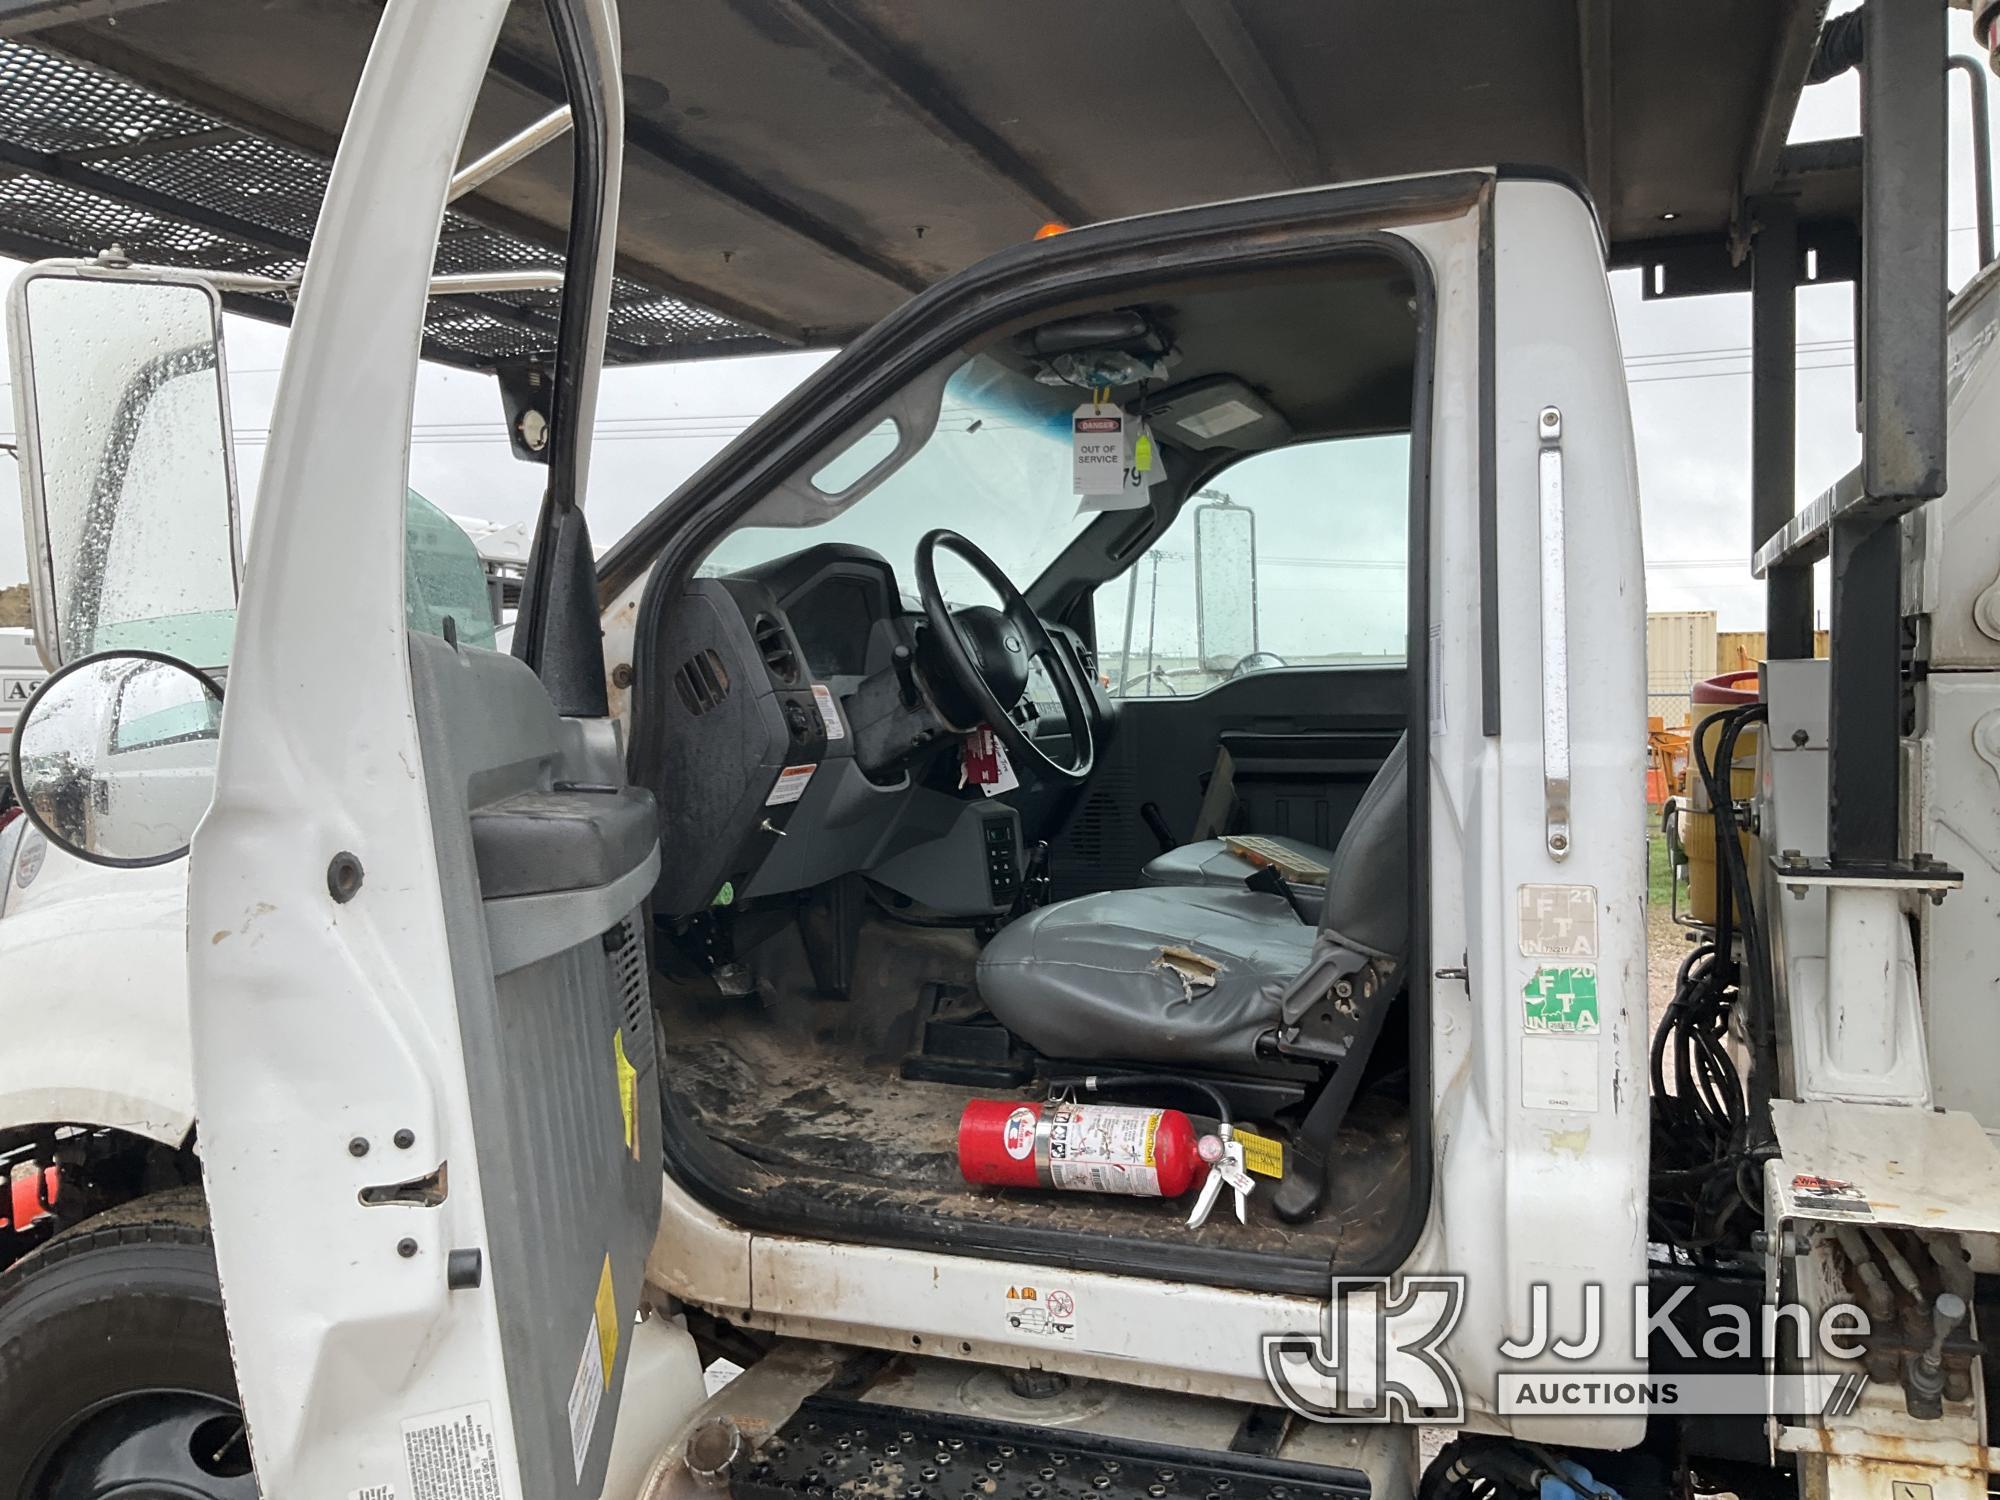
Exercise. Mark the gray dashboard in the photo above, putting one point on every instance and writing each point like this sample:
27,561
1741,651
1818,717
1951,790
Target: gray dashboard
761,790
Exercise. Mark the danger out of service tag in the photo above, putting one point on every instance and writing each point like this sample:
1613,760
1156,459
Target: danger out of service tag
1261,1154
1097,449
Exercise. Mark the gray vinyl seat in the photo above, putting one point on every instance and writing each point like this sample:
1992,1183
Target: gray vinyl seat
1194,975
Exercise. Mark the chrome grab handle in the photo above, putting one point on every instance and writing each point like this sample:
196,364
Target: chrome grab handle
1555,634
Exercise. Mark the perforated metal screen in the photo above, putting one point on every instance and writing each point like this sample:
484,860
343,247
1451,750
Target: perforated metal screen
89,160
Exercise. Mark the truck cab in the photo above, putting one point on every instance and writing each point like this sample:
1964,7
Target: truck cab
750,931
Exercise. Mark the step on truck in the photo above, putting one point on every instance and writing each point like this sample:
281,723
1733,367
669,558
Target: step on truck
751,963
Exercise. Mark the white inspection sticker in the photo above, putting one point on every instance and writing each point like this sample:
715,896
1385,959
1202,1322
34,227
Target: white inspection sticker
451,1455
1556,1073
1558,921
829,712
586,1395
791,785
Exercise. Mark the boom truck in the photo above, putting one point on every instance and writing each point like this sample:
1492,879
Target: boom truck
719,871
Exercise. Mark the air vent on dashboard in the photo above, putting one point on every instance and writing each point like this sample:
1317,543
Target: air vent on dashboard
774,644
702,682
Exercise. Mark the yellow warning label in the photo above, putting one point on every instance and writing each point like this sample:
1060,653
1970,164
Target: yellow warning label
628,1093
1262,1155
607,1320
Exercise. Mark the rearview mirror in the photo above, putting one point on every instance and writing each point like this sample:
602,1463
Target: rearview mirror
1225,583
126,462
114,757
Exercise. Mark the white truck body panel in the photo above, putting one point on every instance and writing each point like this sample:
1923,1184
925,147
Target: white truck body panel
94,1001
21,672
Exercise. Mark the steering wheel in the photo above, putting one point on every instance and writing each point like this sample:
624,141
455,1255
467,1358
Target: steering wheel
986,652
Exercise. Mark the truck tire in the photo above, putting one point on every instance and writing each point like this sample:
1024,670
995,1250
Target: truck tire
114,1363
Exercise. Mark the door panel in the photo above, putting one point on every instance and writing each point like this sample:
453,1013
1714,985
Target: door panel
556,1024
1305,741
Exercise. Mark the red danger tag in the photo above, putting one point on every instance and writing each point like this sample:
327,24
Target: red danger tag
979,754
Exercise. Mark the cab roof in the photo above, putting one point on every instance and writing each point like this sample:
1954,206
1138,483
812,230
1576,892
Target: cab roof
797,168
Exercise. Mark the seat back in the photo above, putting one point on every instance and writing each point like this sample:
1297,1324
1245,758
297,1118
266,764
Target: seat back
1368,884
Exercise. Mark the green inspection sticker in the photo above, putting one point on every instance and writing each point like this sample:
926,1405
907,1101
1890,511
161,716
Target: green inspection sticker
1562,1001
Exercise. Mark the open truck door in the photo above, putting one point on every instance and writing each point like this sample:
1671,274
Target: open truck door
423,1050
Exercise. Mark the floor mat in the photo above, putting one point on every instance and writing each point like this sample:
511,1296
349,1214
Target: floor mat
809,1089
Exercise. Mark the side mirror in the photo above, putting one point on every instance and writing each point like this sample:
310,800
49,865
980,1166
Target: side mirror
127,470
1225,584
114,757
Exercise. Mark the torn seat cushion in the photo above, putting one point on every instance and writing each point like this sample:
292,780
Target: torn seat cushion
1095,979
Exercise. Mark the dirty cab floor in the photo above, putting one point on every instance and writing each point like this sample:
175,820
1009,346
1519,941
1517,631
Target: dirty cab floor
807,1091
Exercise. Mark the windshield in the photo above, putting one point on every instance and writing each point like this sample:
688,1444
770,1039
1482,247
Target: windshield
996,470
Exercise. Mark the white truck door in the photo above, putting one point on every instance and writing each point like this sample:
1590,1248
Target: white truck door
422,1040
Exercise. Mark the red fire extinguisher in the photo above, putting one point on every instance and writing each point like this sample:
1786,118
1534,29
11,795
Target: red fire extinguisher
1087,1147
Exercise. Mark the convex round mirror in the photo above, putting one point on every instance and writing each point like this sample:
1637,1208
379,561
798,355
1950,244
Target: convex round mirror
114,757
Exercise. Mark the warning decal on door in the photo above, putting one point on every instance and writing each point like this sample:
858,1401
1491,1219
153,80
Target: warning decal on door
451,1455
628,1091
586,1395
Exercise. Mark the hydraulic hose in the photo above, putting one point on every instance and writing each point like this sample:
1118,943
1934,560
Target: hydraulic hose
1104,1083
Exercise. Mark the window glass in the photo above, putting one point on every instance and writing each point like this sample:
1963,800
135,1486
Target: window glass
1293,558
443,576
996,470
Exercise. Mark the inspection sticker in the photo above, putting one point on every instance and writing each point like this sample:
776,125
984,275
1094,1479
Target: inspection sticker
829,712
1561,1000
1558,921
1048,1313
791,785
451,1455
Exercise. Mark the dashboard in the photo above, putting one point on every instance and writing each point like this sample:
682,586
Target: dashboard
756,680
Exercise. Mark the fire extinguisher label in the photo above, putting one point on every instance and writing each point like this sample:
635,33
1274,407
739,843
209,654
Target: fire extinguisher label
1104,1149
1020,1136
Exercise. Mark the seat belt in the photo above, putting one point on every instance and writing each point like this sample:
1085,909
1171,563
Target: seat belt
1266,880
1218,803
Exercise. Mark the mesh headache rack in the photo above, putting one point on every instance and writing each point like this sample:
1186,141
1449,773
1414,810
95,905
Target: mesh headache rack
91,160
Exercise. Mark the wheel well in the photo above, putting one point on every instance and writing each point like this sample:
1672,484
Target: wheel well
96,1167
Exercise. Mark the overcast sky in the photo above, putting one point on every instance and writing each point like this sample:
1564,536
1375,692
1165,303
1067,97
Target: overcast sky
1687,361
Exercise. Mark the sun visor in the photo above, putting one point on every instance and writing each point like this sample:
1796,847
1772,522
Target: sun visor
1218,411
